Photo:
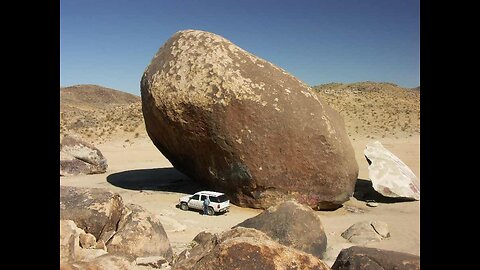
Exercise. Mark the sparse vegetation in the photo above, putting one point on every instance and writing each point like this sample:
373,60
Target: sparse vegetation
374,109
98,119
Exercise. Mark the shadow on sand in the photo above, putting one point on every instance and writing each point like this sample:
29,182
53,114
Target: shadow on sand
364,191
160,179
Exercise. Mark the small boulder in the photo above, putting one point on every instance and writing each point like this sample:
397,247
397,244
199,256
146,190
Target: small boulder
79,157
367,231
365,258
204,237
291,224
140,234
95,210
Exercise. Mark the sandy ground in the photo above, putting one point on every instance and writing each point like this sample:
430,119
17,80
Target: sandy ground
142,175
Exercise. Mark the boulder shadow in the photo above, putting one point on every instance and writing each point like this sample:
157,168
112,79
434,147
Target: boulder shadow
365,192
159,179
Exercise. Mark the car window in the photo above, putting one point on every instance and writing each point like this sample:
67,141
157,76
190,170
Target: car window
202,198
219,199
195,197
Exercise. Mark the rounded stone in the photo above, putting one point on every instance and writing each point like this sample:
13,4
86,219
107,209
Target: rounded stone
243,126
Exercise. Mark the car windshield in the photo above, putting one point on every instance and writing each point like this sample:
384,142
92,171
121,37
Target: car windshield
219,199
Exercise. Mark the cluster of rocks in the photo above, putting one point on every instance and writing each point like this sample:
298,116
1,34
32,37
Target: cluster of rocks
99,231
286,236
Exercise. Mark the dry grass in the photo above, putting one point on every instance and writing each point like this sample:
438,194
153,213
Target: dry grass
374,110
99,125
96,113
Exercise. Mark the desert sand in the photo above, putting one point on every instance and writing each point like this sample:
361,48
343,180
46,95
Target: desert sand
142,175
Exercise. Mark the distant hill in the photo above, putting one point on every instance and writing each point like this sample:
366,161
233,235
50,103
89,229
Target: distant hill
92,97
374,110
96,113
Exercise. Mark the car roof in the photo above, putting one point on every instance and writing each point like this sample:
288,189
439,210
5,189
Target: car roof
210,193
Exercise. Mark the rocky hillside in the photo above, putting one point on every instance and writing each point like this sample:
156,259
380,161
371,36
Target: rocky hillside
95,113
374,110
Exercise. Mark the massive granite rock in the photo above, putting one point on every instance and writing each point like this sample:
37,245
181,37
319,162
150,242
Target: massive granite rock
244,248
364,258
293,225
79,157
389,175
244,126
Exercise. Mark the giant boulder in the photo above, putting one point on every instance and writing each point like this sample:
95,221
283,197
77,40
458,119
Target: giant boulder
390,176
293,225
79,157
244,126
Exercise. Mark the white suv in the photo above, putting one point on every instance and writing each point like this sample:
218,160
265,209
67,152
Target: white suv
218,202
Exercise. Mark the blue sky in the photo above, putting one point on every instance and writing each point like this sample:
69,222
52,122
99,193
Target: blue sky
111,42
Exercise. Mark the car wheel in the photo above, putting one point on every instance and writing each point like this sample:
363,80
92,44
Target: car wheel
184,206
210,211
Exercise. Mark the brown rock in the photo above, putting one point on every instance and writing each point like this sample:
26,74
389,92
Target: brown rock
242,125
363,258
201,246
244,248
79,157
96,211
366,231
293,225
140,234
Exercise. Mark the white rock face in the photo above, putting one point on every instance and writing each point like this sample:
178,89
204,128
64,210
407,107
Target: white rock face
389,175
